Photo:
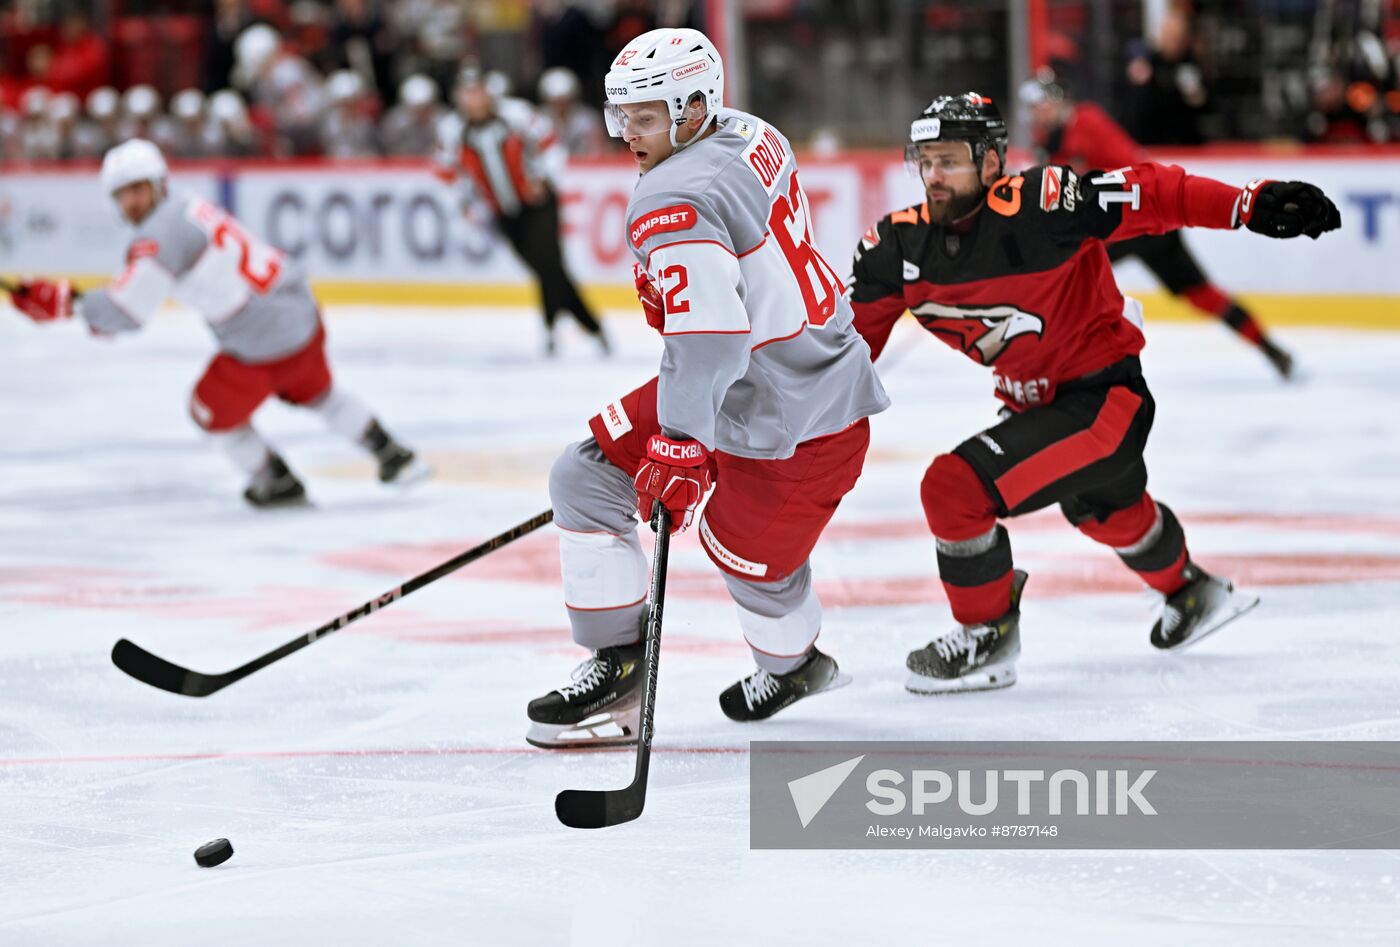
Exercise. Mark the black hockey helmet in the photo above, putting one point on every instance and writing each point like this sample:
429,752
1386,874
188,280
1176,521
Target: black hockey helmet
968,117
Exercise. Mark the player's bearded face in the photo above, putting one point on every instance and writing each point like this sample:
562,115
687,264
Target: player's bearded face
135,201
952,181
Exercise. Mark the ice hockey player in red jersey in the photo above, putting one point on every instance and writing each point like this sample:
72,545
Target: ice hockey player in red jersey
1084,136
763,393
255,300
1012,271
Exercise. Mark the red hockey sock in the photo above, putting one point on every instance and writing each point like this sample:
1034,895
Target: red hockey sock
1149,540
1211,299
974,555
1208,298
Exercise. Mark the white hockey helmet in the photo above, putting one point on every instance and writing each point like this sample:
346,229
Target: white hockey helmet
188,104
417,91
498,84
103,102
345,85
34,102
141,101
254,48
670,65
226,105
132,161
558,83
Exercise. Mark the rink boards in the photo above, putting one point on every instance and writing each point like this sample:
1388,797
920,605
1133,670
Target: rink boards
388,231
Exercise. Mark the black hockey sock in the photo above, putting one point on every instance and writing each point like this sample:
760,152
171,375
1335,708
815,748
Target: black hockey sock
976,576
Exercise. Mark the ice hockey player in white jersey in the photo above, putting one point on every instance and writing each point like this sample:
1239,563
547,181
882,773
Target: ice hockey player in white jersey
256,301
764,393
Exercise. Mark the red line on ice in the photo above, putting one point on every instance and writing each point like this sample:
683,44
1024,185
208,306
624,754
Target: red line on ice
382,752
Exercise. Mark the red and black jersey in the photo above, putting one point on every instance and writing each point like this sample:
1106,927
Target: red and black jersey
1028,288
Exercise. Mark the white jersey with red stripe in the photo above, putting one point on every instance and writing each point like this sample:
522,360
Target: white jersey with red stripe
253,296
760,353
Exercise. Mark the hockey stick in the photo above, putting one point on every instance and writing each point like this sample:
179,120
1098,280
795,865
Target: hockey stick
599,808
156,671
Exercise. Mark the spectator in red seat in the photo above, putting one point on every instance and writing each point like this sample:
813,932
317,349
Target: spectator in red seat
81,61
10,86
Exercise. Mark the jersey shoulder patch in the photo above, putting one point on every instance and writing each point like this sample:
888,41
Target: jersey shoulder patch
145,247
662,220
910,215
1059,188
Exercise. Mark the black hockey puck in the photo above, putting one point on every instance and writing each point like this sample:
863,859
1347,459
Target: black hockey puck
213,853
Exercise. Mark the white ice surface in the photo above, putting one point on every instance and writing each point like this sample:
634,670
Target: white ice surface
376,786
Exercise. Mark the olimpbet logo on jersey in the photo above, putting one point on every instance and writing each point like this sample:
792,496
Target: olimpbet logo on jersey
1075,795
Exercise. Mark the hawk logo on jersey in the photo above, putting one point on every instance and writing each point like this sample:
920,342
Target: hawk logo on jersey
986,330
663,220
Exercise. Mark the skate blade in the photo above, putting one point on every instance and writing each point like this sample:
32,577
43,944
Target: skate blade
617,727
1238,604
981,680
302,502
416,472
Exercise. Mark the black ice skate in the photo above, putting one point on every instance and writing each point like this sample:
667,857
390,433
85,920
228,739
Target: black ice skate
275,485
397,464
1202,607
1281,360
971,657
601,707
762,694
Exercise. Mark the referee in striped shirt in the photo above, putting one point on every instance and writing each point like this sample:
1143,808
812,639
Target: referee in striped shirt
499,155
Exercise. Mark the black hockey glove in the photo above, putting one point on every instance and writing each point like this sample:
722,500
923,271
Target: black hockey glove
1288,209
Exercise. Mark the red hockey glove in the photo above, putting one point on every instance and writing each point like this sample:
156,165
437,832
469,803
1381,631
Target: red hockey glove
44,300
1286,209
679,474
652,303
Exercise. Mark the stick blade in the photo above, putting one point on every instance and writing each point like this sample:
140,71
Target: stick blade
598,809
152,669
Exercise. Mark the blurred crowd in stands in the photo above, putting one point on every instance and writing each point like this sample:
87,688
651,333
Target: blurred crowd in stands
358,78
280,78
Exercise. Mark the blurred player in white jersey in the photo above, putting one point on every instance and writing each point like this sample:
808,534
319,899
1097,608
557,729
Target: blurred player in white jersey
764,392
256,300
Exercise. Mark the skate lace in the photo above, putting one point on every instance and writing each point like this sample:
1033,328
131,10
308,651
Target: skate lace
955,643
586,676
759,687
1171,617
